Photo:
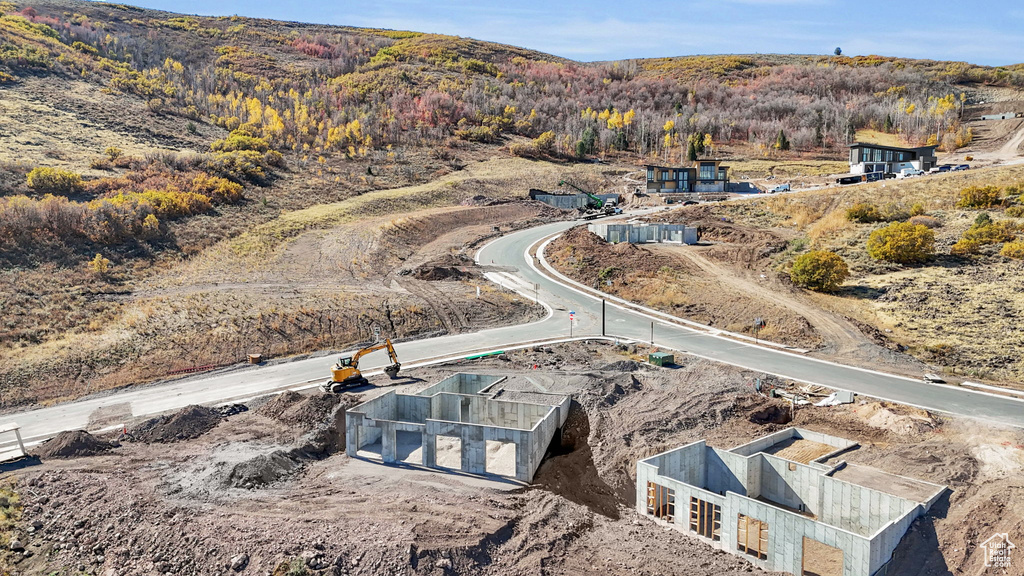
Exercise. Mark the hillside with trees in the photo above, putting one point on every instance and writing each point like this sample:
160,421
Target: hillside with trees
134,140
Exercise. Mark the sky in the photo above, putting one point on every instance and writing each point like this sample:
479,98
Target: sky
986,32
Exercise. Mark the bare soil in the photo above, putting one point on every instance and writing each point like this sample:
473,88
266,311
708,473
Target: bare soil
253,486
726,281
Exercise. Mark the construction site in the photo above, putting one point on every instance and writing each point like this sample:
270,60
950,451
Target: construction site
301,481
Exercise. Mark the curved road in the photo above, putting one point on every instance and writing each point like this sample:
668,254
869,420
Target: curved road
510,265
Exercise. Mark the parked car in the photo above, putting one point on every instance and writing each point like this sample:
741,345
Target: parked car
960,167
874,176
780,188
909,173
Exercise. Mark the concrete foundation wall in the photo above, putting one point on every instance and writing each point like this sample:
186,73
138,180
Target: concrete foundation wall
864,523
728,472
473,418
766,442
786,530
858,509
790,484
461,383
644,233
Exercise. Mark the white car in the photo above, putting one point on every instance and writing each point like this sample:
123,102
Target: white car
909,172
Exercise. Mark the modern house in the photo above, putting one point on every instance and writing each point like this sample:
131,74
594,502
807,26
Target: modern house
784,503
703,176
869,158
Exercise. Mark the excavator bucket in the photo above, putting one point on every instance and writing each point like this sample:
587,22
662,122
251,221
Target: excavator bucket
392,371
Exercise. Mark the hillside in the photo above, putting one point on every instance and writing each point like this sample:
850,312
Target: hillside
162,175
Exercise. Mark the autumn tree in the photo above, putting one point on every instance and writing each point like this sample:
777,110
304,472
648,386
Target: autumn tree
902,243
819,270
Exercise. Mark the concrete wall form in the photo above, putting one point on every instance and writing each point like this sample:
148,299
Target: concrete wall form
865,524
645,233
474,419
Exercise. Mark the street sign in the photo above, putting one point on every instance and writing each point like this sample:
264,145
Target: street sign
376,332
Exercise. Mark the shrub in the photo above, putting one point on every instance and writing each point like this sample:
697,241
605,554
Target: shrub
863,212
902,243
219,190
240,165
240,139
819,270
545,143
54,181
985,231
113,152
965,246
1013,250
926,221
99,265
893,213
916,210
979,197
101,163
1015,211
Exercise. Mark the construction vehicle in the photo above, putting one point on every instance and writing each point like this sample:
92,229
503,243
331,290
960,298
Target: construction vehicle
346,372
594,201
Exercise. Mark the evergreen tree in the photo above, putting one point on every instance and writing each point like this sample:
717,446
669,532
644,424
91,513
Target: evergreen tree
888,123
781,142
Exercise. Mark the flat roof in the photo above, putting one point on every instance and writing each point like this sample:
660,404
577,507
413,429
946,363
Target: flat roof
884,147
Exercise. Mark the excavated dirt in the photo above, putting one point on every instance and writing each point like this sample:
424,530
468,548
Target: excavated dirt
189,422
663,277
194,506
72,444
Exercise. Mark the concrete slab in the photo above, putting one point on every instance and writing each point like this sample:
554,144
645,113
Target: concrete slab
899,486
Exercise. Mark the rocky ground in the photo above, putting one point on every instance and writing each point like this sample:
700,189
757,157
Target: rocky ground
268,488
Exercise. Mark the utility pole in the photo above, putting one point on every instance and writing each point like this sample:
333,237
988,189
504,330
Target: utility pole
602,316
652,335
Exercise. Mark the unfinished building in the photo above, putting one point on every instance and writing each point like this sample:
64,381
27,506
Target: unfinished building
462,423
777,503
645,233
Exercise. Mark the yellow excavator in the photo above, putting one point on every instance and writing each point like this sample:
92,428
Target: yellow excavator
346,372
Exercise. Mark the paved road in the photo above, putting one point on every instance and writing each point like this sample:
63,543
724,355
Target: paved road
511,267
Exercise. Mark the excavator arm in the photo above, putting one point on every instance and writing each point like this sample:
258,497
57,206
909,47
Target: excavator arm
598,203
391,370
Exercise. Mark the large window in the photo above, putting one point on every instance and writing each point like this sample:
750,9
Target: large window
752,537
650,174
661,502
706,519
707,171
878,155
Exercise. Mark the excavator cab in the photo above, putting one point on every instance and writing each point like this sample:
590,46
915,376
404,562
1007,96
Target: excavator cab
346,372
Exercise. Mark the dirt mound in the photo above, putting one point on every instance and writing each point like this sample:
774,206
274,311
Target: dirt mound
72,444
277,405
313,412
435,273
264,469
187,423
895,418
622,366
